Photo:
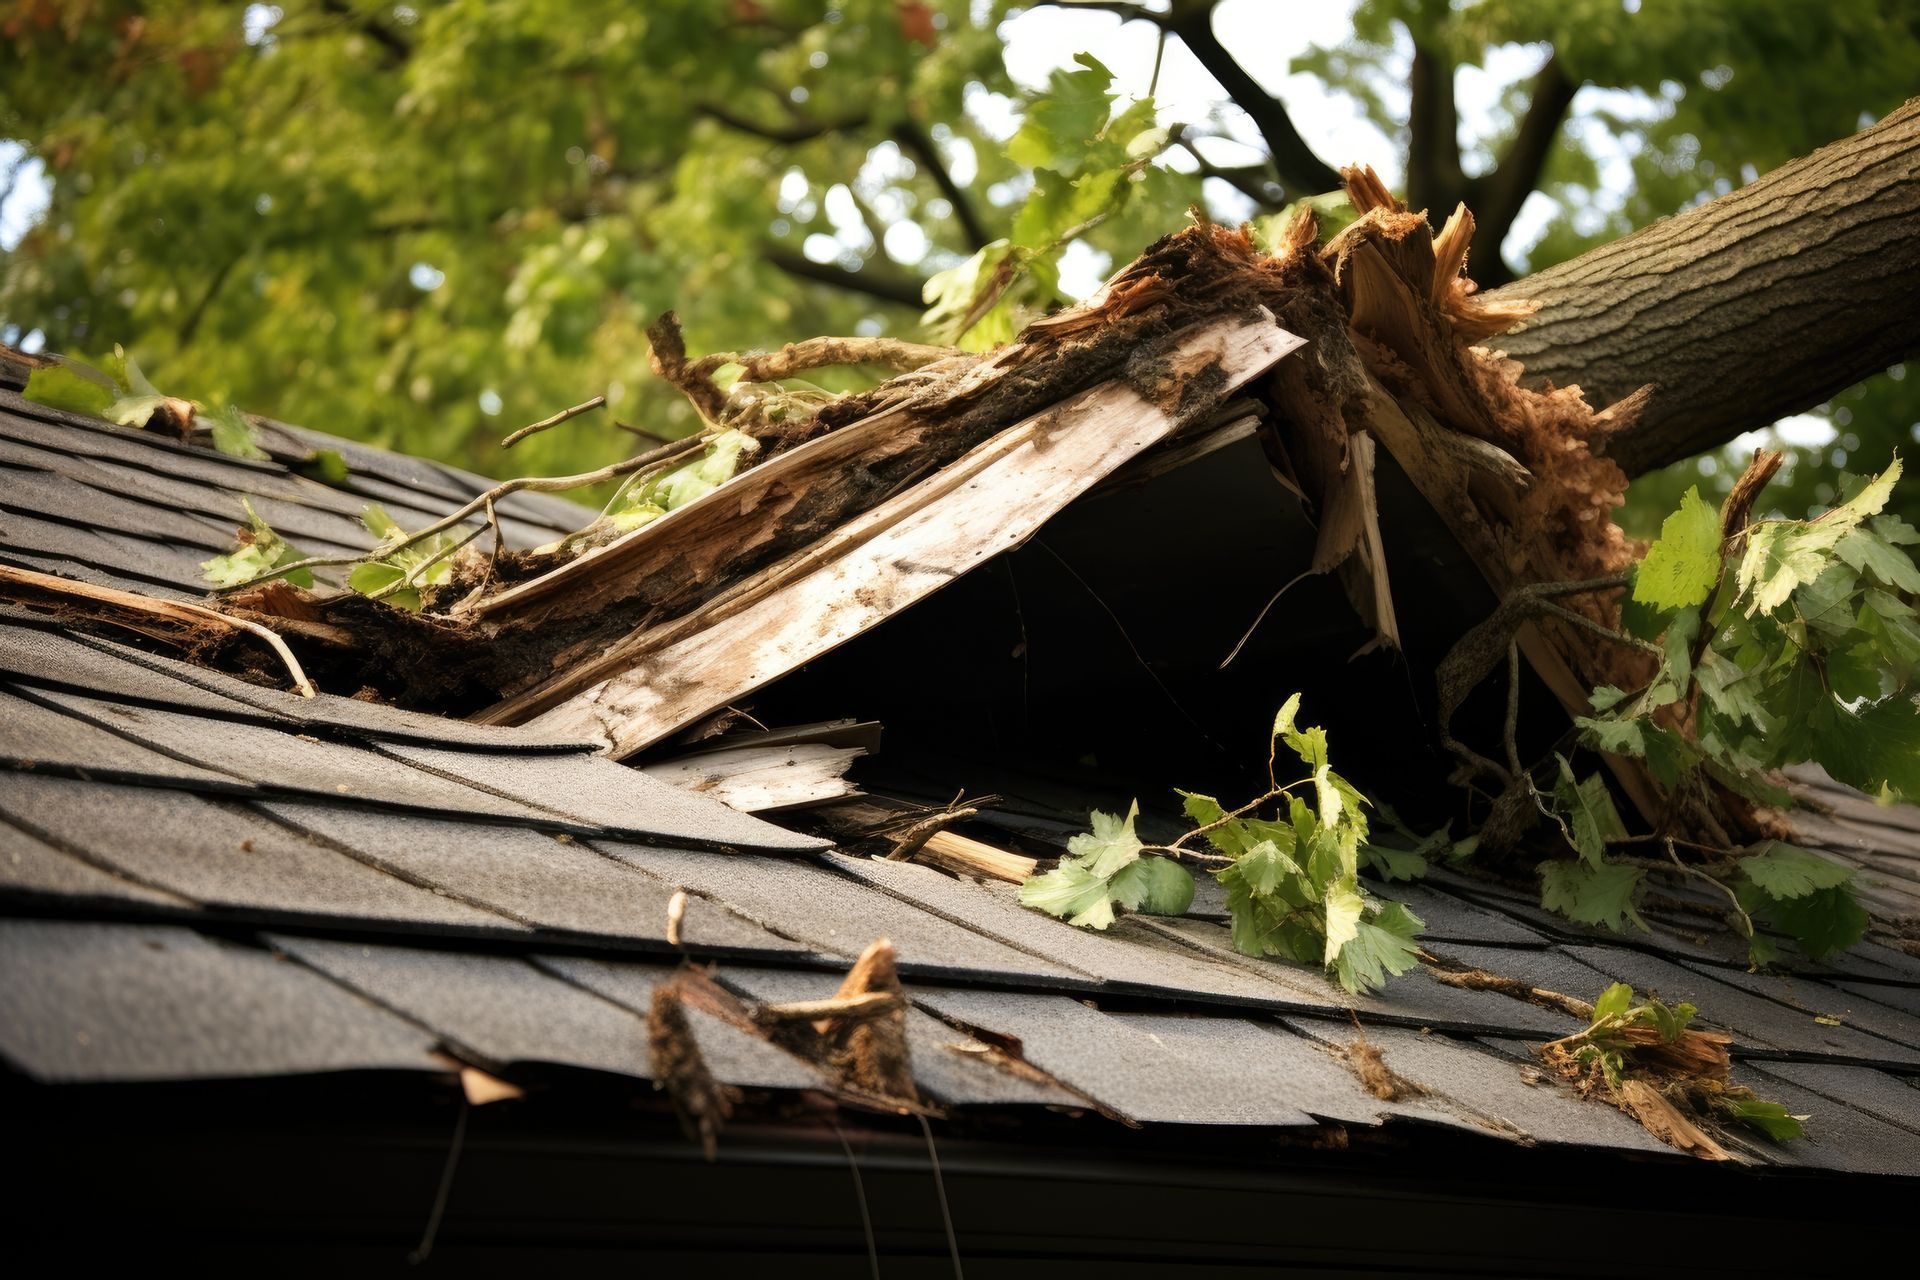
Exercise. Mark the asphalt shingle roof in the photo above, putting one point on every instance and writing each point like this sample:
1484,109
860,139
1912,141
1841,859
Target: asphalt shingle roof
206,878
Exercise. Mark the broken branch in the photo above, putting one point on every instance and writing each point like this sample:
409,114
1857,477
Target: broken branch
544,424
25,586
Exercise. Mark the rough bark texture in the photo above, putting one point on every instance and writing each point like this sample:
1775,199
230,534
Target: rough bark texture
1760,304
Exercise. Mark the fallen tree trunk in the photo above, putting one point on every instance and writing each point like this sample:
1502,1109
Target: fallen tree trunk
1761,304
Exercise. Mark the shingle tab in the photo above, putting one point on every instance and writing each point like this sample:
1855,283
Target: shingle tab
224,855
33,736
529,875
330,710
1123,1067
1837,1137
29,865
286,762
499,1010
1489,1091
594,791
1413,998
159,1002
1126,954
1893,1099
838,916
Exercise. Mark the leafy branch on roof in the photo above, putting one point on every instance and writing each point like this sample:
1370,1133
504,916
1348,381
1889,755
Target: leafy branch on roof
1768,644
1292,880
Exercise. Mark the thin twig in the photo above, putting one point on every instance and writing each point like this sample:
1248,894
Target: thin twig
530,484
535,428
413,575
1746,921
915,837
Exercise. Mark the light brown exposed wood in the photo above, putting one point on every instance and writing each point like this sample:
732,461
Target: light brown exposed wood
963,855
762,779
1761,304
989,501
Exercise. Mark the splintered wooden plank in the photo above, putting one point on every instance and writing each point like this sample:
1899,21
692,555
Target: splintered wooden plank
987,502
765,778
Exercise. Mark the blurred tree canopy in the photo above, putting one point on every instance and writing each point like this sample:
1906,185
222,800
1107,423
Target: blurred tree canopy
427,224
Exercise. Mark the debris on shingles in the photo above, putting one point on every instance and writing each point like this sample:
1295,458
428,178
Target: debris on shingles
923,835
1370,1065
1672,1077
703,1104
1481,980
859,1034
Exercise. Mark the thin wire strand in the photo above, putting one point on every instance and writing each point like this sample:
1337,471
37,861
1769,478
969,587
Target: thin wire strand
940,1189
425,1248
860,1194
1132,648
1264,611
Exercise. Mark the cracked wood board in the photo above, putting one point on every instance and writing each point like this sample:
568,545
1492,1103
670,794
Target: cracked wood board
989,501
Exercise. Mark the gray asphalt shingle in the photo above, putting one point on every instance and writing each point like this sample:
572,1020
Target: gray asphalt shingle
225,855
159,1002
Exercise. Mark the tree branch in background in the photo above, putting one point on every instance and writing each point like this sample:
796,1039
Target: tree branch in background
874,281
375,30
1301,172
1496,197
790,134
909,134
1254,181
1434,179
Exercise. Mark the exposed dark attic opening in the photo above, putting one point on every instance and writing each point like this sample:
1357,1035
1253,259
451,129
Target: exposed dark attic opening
1091,657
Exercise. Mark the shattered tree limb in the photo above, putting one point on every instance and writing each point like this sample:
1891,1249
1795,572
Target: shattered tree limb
1758,305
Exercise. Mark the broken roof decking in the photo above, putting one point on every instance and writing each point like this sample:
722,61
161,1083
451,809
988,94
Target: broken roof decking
209,879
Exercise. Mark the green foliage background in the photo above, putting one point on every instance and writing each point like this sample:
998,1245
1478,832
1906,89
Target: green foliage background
427,224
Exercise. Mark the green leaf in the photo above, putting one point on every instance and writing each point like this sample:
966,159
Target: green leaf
1384,945
1613,1002
1785,555
1059,124
1344,907
261,551
1769,1118
1265,868
1072,892
233,435
1397,864
378,575
951,296
1155,885
1873,747
1607,697
326,466
1110,846
1597,895
1823,923
1591,817
72,386
1868,552
1683,563
1784,871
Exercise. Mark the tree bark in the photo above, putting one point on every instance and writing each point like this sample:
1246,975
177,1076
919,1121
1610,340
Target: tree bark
1761,304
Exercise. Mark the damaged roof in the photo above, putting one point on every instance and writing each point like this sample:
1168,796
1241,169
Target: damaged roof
206,879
